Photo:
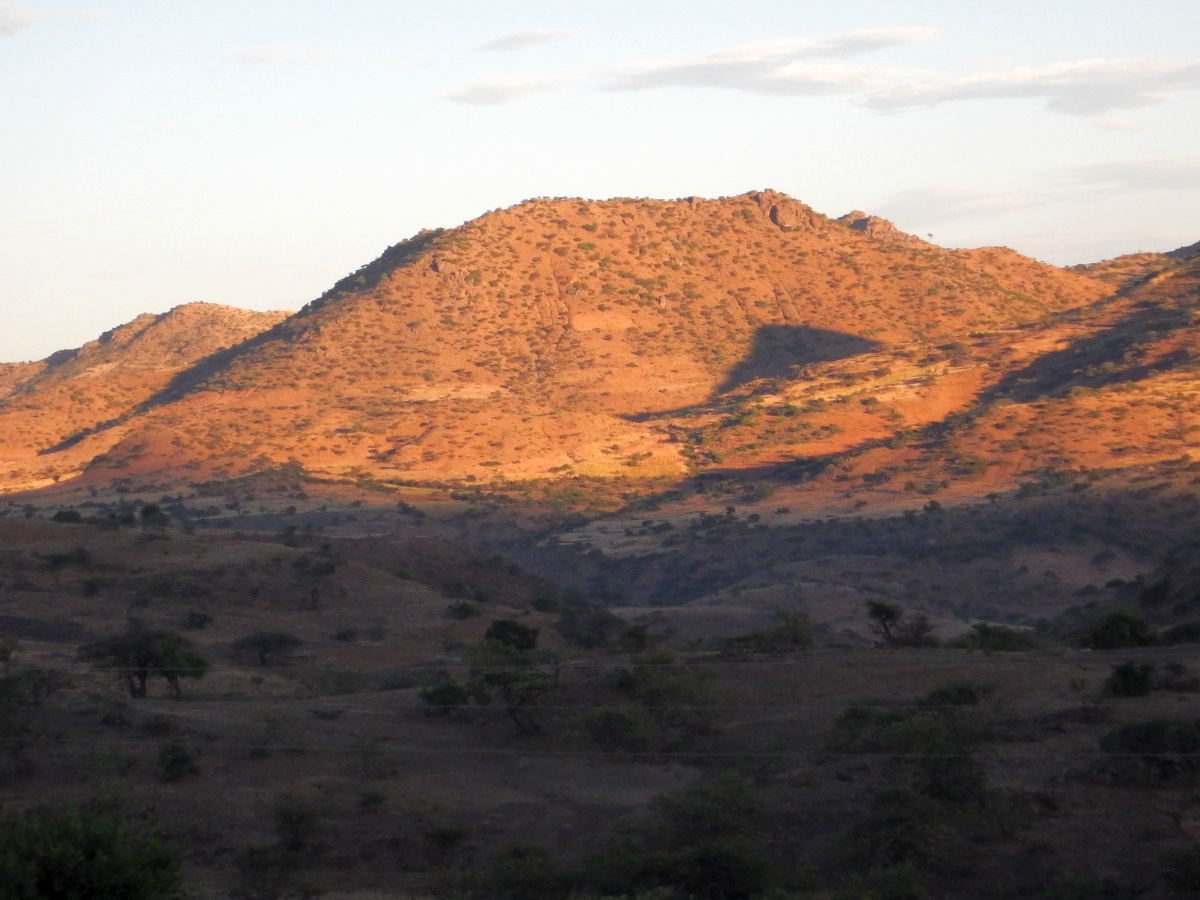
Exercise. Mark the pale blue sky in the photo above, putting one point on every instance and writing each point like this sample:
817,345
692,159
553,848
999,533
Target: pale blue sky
158,152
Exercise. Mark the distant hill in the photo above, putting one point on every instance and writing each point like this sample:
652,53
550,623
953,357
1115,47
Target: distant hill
568,336
1127,270
46,403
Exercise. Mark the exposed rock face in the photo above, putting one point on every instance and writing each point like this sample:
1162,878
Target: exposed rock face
785,212
873,226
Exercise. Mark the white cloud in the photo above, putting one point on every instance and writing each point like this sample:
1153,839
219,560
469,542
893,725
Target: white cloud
936,205
817,67
1175,174
1087,87
770,67
1112,123
289,56
15,18
18,18
925,207
519,40
495,91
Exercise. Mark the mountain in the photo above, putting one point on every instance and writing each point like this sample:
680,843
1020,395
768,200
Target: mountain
574,337
46,406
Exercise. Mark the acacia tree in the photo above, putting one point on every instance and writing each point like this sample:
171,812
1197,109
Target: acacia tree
141,652
506,661
886,618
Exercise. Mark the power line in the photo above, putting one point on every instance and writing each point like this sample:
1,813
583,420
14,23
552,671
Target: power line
383,745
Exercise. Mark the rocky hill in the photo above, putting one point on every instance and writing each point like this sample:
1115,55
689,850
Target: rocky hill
46,406
567,337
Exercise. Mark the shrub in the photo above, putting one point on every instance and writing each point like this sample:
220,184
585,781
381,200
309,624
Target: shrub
866,730
1182,869
445,696
269,873
954,695
902,882
1118,630
590,626
1185,633
525,873
1157,737
716,871
675,695
904,828
697,843
724,807
74,854
1159,749
175,762
296,823
463,609
267,646
512,634
612,730
793,633
952,775
1130,680
997,638
196,621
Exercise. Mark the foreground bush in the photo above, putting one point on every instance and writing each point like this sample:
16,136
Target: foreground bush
74,854
699,842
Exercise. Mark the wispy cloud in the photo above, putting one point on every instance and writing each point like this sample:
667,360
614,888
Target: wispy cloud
770,67
289,56
940,204
16,18
1180,174
802,67
495,91
519,40
1112,123
1087,87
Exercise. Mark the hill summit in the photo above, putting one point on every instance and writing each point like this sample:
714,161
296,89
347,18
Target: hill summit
567,336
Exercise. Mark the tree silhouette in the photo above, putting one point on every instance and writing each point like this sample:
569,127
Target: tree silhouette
886,618
141,652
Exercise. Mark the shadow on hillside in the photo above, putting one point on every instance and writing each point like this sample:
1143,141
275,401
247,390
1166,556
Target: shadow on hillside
1111,356
779,351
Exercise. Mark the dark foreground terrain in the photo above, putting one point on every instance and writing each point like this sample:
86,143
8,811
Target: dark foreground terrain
999,700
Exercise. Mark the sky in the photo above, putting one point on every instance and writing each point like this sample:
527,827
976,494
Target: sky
252,152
